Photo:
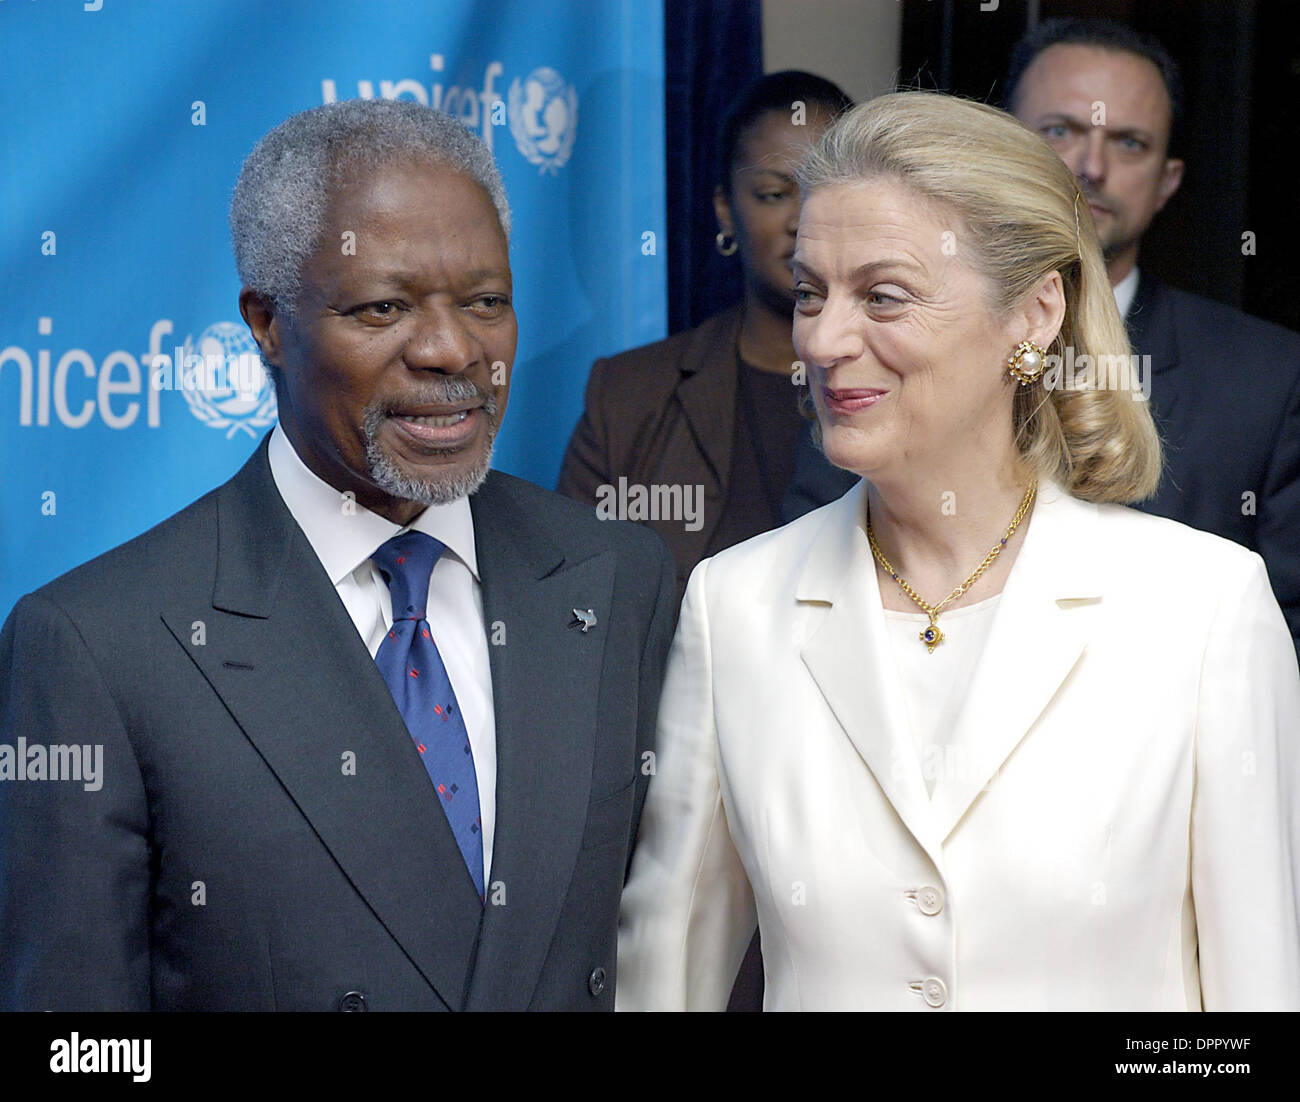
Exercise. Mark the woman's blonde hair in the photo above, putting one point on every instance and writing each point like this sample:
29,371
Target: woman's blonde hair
1021,217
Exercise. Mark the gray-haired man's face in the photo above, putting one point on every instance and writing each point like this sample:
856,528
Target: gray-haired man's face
395,370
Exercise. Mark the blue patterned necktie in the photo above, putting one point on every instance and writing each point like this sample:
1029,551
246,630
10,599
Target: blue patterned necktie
409,660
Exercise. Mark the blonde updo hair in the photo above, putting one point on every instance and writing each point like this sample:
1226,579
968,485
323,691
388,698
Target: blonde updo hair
1022,217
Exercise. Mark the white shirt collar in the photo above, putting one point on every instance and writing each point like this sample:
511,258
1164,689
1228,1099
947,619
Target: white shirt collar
344,541
1125,291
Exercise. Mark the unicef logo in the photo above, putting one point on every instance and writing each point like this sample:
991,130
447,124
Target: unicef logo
224,382
544,118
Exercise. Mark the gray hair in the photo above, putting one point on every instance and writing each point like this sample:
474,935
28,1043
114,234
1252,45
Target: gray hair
283,187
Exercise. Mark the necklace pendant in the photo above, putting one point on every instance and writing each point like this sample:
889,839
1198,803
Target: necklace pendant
931,637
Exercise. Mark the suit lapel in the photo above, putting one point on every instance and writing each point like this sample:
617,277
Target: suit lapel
1042,623
1152,333
851,638
546,679
287,662
707,395
707,391
1148,326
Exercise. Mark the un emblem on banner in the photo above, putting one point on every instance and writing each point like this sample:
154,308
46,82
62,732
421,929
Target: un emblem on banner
544,118
224,381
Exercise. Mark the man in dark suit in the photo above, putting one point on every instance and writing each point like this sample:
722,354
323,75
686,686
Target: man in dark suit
1224,386
375,722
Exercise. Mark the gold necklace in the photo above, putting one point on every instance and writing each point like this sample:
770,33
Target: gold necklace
932,636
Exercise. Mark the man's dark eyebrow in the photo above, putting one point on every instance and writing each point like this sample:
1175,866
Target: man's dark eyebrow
1059,116
1053,117
1132,132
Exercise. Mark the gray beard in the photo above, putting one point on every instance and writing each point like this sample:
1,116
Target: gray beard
390,478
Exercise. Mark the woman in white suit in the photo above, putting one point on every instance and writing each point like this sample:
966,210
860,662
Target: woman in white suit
976,736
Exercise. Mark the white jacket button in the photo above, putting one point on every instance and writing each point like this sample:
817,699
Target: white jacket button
930,900
934,991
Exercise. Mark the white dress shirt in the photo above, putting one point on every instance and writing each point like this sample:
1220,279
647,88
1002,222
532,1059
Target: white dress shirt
1125,291
344,534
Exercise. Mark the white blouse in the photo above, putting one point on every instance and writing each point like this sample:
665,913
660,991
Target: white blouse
935,683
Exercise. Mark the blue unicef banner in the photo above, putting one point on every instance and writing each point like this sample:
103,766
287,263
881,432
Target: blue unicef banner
122,127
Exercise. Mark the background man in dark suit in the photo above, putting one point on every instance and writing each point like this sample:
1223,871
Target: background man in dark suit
1225,387
322,786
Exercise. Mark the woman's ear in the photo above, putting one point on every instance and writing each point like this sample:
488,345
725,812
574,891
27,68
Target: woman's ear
1043,310
722,212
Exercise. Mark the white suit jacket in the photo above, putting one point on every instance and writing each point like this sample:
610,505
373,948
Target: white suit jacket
1117,828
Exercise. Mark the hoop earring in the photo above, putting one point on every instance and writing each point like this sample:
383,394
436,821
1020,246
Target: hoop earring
1027,362
725,244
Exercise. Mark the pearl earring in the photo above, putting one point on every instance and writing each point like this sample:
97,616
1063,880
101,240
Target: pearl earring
1027,362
